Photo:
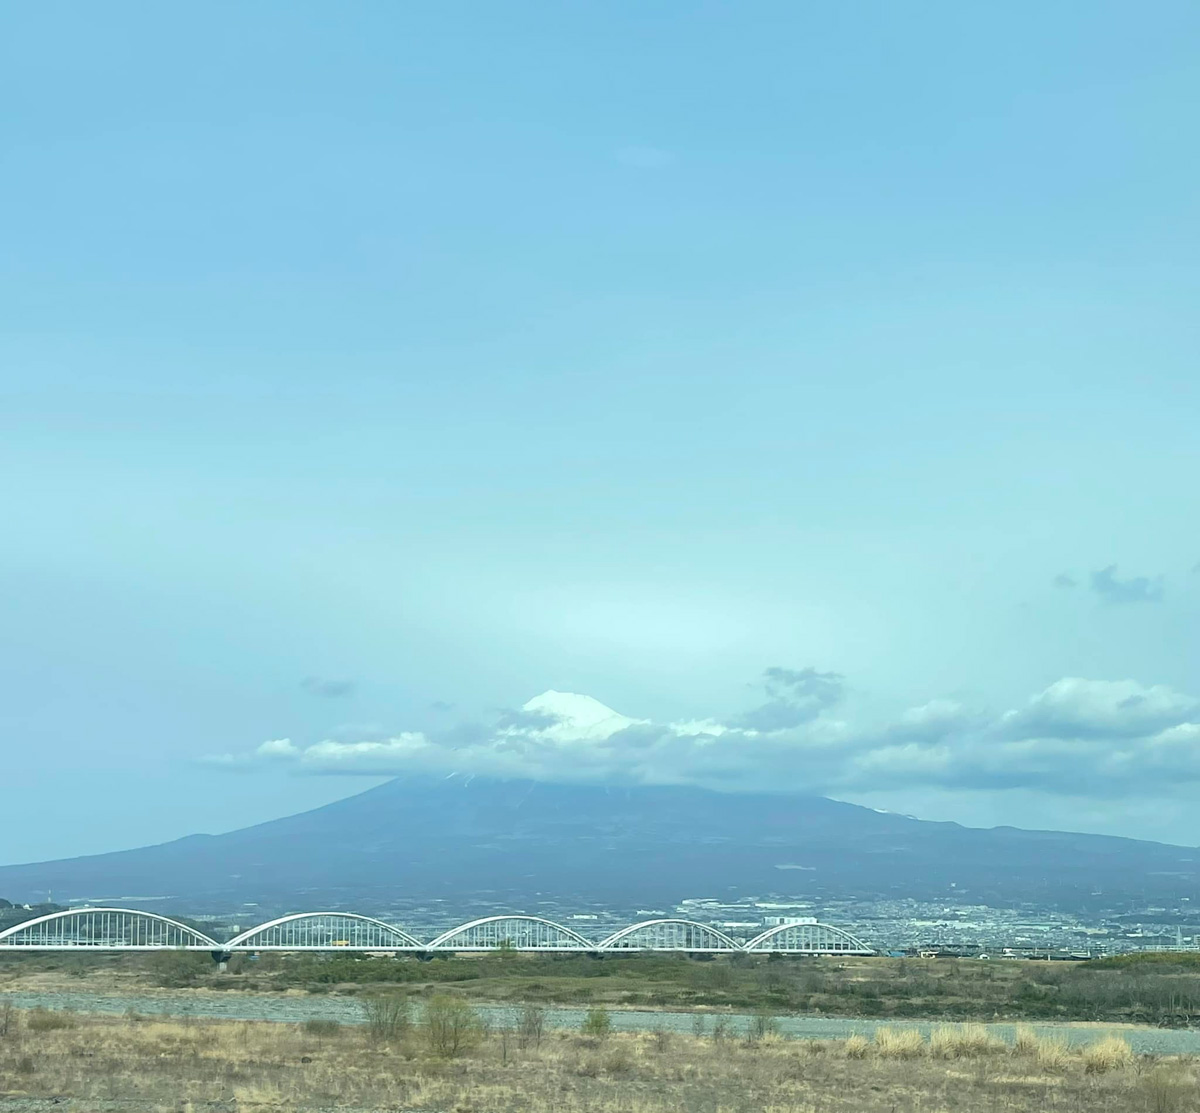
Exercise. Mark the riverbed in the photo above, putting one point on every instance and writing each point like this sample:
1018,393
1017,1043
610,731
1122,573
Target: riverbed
348,1010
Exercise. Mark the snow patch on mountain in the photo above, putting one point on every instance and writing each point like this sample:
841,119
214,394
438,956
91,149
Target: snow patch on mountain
577,718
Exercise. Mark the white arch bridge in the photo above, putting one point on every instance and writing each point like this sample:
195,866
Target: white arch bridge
125,929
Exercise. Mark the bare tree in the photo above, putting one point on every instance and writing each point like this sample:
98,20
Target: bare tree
531,1027
387,1016
451,1025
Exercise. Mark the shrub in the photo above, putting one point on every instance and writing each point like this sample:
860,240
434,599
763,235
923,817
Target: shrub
531,1026
588,1067
1164,1091
176,969
762,1024
597,1023
1180,960
387,1016
1026,1041
963,1040
897,1043
856,1047
451,1025
619,1061
44,1020
1052,1054
1110,1053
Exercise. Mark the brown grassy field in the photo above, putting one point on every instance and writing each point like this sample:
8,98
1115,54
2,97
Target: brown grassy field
95,1063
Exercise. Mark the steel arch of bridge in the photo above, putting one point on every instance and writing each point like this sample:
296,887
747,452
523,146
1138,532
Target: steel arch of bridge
807,939
123,929
322,931
109,929
669,935
516,931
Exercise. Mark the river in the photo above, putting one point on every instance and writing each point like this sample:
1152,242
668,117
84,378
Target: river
348,1010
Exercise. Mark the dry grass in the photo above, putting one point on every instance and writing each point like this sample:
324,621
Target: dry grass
229,1067
899,1043
1026,1041
1052,1054
48,1020
856,1047
1169,1089
1108,1054
962,1041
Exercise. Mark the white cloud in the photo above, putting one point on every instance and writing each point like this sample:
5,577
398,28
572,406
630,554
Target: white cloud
1100,708
1078,737
278,747
933,719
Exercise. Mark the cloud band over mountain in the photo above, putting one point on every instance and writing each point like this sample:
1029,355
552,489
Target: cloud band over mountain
1090,738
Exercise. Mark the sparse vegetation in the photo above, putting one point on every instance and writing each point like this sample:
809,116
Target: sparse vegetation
1025,1040
1159,989
762,1025
49,1020
1170,961
318,1026
898,1043
176,969
451,1026
1052,1054
963,1041
1108,1054
1168,1088
387,1015
531,1027
157,1064
856,1047
597,1023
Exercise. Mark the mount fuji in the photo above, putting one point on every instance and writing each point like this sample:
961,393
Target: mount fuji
475,840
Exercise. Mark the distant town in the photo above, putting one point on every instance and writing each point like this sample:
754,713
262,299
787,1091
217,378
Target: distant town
895,927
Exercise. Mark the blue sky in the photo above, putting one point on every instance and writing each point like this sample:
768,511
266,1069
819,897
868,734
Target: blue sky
368,369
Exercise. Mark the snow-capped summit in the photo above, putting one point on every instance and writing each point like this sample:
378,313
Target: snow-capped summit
577,717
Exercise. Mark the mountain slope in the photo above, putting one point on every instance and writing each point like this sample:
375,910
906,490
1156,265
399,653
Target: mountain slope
636,846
